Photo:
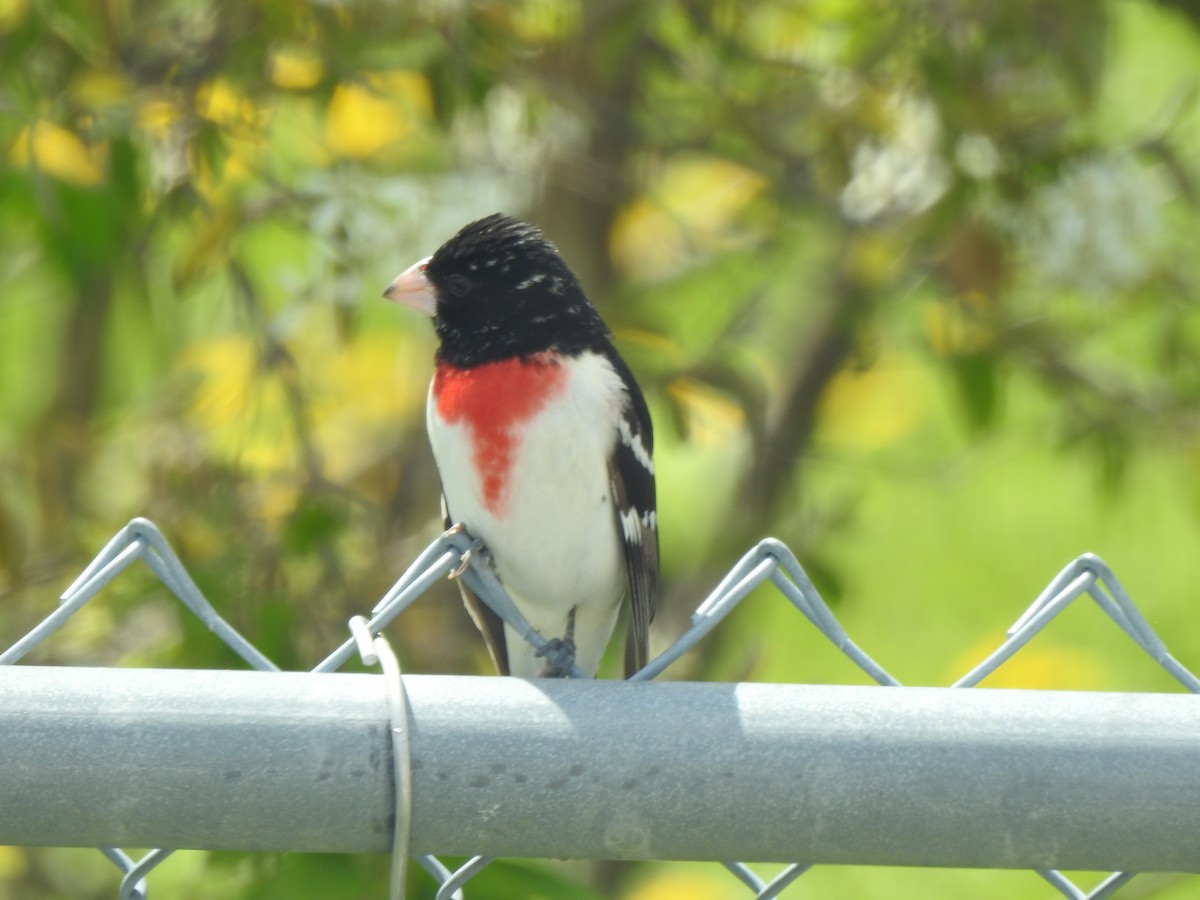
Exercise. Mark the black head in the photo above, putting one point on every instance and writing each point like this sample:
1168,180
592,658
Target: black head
501,290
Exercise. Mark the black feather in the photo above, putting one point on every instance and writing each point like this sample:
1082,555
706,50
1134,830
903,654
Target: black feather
503,291
490,625
633,492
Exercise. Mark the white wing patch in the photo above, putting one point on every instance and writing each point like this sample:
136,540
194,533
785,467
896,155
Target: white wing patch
634,443
631,526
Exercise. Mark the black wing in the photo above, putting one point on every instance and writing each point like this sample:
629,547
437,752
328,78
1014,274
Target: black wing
631,481
490,625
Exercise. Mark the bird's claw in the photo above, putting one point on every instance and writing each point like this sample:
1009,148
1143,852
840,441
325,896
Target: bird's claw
456,528
559,654
469,554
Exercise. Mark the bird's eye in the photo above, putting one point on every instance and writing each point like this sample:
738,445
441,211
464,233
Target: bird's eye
460,285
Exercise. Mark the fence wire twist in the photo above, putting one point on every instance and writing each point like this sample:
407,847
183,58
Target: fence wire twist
455,554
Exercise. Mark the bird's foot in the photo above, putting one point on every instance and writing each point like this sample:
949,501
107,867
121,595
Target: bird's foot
559,654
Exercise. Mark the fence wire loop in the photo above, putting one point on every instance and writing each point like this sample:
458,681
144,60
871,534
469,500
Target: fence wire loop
375,650
133,881
456,554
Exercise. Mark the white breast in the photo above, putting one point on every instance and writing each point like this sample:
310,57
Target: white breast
555,544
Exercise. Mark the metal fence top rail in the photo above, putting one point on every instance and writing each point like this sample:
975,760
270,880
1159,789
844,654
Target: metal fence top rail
586,769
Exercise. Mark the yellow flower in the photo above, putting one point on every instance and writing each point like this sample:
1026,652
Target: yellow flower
156,117
688,209
13,860
295,71
368,386
243,136
1040,666
219,102
872,407
12,14
678,883
241,410
362,119
711,416
58,152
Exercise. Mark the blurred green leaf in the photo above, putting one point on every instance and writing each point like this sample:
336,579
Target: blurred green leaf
976,380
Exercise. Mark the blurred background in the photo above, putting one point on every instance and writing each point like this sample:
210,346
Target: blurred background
912,287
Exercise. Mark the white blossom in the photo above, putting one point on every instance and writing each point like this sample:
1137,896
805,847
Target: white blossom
904,173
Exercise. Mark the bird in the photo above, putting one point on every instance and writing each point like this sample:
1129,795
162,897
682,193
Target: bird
543,443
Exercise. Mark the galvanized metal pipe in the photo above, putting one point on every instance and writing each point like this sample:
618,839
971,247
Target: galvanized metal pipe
602,769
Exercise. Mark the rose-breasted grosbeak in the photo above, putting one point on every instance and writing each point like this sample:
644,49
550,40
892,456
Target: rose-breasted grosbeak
542,440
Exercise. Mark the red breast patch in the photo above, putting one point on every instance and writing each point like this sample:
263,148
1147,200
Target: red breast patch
494,399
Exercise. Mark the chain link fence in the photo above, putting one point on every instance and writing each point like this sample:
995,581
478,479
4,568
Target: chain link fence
454,554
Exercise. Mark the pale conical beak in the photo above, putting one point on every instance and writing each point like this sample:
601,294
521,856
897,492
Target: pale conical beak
412,288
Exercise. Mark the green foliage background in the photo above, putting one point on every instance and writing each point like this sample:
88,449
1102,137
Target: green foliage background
911,286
